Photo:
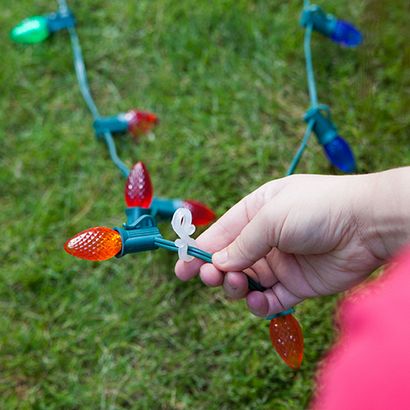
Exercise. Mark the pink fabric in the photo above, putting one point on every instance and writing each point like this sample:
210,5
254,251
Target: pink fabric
369,367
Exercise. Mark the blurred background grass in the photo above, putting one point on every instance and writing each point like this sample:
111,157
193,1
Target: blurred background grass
227,80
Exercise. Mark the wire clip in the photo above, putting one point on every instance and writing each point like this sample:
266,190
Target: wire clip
182,225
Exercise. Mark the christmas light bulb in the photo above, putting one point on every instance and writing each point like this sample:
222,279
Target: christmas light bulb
287,338
346,34
138,188
339,31
340,155
140,122
31,30
95,244
201,214
336,148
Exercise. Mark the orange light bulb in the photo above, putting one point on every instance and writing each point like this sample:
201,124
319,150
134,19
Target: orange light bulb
94,244
287,338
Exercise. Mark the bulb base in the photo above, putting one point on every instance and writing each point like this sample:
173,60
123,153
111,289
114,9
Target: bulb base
134,213
165,208
323,127
339,31
139,237
114,123
321,22
60,21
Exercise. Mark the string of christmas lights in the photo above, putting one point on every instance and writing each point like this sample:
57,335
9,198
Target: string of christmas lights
38,28
140,233
318,117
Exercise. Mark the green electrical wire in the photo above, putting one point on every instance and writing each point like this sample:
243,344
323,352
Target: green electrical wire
312,95
301,149
81,73
309,66
205,256
109,140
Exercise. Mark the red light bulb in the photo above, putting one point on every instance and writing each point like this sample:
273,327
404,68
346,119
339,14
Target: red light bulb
287,338
140,122
138,188
94,244
201,214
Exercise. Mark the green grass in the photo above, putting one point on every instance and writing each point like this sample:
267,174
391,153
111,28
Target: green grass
227,79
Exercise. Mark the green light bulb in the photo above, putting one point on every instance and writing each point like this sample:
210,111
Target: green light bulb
31,30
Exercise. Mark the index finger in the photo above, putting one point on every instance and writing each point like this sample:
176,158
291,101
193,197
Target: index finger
228,227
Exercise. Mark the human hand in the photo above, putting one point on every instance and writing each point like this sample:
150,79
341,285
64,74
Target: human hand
300,236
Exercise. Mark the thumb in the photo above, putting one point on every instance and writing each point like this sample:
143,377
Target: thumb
254,242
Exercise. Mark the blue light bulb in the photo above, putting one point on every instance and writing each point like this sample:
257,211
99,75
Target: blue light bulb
340,155
339,31
336,148
346,34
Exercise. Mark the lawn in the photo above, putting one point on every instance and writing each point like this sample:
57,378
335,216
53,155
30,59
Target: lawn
228,82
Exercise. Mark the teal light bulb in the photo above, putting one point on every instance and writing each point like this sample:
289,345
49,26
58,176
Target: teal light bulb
31,30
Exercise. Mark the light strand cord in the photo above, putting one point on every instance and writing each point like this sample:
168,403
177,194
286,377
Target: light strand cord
309,66
109,140
301,149
81,74
205,256
312,95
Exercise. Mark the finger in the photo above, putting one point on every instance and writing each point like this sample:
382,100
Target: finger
264,273
228,227
257,303
292,273
210,275
280,299
235,285
271,301
187,270
255,241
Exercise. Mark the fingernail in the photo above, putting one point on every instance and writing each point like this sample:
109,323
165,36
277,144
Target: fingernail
220,257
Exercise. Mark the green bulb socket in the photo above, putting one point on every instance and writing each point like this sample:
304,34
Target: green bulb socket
323,126
165,208
134,214
139,237
115,123
321,22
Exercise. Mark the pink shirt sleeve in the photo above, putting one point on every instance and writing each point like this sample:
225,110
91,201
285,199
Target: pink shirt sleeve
369,366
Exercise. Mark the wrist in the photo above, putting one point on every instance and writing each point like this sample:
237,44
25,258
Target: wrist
387,211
